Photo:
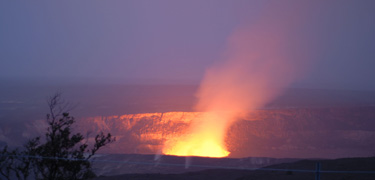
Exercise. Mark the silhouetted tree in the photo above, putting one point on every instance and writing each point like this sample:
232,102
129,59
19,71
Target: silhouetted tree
6,163
62,155
15,163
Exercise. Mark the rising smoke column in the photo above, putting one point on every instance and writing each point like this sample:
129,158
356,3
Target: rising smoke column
260,61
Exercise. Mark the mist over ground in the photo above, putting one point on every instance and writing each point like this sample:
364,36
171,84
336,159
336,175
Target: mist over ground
104,99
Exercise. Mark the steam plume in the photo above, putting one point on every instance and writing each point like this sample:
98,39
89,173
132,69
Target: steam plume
259,63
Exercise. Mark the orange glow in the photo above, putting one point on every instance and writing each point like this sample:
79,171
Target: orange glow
200,140
243,82
205,147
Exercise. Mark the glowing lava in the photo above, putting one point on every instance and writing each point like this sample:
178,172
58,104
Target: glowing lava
206,139
204,147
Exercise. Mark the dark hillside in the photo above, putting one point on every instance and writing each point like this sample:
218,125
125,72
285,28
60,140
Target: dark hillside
285,173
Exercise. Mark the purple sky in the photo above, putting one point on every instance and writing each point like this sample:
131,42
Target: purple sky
174,40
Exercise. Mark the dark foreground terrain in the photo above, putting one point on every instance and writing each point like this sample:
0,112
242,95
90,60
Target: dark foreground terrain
116,164
338,169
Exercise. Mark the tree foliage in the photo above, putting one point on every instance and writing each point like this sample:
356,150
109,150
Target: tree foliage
61,155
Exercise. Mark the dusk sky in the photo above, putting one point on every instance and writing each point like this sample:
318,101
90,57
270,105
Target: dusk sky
178,40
